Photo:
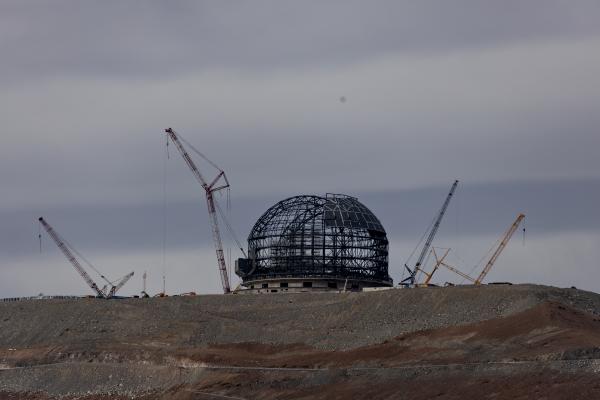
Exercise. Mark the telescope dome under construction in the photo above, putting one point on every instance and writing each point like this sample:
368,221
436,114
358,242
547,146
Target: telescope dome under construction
315,243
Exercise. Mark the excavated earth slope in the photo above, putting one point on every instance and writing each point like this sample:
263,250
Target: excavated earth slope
517,341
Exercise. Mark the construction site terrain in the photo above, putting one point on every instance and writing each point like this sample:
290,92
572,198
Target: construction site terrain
463,342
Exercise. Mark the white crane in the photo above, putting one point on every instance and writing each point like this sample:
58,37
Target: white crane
412,272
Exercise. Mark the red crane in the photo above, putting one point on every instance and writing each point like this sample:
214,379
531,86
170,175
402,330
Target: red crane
122,281
220,182
72,259
66,249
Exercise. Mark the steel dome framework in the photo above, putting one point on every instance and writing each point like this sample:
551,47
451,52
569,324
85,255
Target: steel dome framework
312,236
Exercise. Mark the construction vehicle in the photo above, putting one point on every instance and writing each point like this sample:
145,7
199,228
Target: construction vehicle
187,294
220,182
412,272
503,242
68,251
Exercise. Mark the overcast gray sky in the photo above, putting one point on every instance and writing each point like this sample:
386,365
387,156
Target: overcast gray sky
502,95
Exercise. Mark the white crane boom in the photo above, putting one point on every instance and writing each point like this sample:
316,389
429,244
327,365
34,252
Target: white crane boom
410,280
218,183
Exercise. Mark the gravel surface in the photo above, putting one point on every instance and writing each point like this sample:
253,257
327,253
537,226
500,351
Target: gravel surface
324,320
124,347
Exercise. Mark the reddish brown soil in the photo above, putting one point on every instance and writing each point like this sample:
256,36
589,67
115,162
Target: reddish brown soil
549,331
535,385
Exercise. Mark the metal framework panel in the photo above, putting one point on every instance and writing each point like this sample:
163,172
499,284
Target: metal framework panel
315,236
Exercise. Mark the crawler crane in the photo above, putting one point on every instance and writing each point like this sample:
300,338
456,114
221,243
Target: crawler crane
412,272
220,182
477,281
68,251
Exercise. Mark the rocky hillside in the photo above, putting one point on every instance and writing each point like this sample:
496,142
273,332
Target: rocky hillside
400,343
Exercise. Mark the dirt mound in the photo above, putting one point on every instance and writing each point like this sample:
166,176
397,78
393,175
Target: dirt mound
393,344
547,331
326,321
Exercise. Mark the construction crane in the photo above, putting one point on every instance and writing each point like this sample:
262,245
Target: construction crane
499,249
220,182
438,263
72,259
503,242
122,281
68,251
410,280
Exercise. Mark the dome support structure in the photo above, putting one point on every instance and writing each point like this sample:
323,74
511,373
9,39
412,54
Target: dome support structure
316,242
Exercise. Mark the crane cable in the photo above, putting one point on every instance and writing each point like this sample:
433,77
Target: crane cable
219,209
218,206
417,246
198,152
491,249
228,209
164,221
85,260
425,262
229,228
40,236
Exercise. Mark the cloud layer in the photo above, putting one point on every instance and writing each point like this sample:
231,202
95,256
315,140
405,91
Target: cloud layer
500,95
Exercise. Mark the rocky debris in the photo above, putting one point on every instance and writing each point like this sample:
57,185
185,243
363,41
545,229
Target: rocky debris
323,320
308,343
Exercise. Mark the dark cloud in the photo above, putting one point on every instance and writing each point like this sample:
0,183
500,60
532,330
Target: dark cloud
477,209
561,226
153,39
502,95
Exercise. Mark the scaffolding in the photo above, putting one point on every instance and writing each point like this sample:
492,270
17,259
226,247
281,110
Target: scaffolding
318,237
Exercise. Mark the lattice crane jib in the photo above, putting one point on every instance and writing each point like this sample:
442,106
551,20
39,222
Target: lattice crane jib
122,282
218,183
413,272
505,239
71,257
503,242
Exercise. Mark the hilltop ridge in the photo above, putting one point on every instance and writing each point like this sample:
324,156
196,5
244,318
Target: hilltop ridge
299,343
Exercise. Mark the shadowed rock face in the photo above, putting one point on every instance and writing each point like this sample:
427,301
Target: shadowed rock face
304,344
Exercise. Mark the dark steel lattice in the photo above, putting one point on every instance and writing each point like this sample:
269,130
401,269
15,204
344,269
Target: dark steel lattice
311,236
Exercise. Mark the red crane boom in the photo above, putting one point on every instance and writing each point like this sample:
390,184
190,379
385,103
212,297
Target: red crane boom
123,281
218,183
71,257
